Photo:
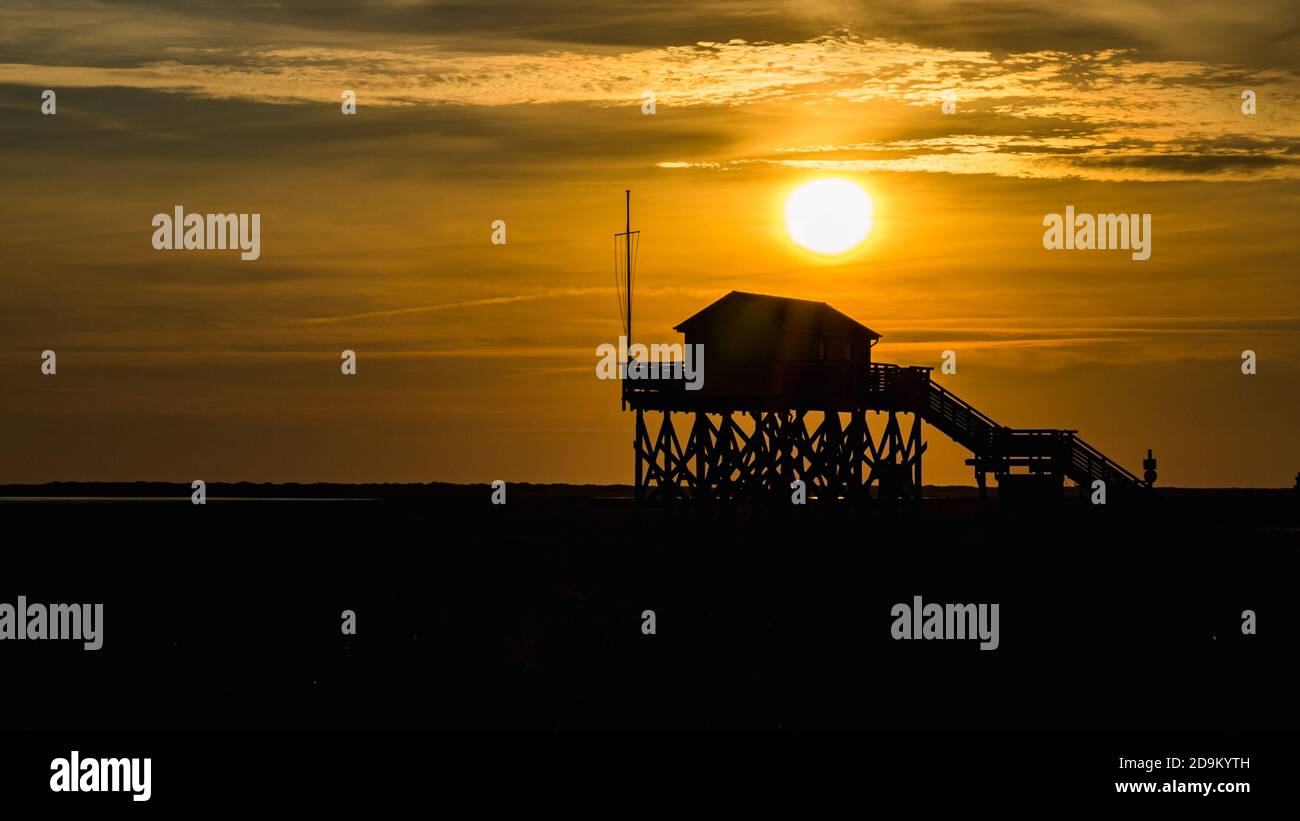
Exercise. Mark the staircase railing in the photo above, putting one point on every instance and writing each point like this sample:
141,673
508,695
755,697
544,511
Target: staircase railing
1090,463
961,422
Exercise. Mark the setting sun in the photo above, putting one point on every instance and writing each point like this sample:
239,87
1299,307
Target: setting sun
828,216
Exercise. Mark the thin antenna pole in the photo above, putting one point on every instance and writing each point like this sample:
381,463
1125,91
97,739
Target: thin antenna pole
628,193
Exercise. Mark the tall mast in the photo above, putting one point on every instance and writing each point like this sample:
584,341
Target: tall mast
627,237
628,193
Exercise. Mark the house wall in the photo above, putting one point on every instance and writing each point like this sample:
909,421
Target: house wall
788,346
743,363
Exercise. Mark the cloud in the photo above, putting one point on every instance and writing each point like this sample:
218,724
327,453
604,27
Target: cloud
1110,114
469,303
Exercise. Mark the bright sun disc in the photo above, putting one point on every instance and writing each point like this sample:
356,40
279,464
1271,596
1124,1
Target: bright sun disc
828,216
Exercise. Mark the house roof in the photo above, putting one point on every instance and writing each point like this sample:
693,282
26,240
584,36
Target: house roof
742,310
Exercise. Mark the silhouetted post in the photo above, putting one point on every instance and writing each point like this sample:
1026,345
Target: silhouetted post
628,194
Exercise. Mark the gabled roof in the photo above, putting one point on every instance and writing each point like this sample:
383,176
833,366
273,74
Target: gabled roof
740,310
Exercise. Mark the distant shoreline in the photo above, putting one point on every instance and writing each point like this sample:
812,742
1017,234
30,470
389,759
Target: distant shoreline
333,491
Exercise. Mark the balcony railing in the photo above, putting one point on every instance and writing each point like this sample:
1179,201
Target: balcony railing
796,380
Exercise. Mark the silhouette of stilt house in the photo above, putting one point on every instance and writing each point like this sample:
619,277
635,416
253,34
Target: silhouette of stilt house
788,392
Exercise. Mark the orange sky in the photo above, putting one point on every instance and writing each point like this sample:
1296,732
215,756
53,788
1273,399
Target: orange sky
477,361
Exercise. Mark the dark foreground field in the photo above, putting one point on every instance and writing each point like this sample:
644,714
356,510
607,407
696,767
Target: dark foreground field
499,651
528,615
